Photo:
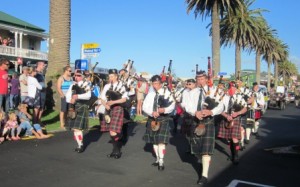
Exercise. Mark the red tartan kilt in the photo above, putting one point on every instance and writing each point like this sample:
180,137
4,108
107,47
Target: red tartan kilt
116,123
229,133
257,114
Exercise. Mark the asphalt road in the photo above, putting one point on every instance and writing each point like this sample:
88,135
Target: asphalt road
53,162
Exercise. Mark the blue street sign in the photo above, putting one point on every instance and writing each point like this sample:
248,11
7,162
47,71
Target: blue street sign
222,73
92,50
81,64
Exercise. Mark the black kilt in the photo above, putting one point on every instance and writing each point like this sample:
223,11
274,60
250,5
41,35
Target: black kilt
186,125
229,133
81,121
160,136
203,145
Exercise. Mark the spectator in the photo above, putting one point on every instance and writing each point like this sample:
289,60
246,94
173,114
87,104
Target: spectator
23,83
141,91
25,118
2,123
14,91
4,64
40,103
63,84
34,88
10,127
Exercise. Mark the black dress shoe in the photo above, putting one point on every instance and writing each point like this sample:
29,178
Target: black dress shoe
79,149
117,155
247,141
161,168
235,161
111,155
155,164
202,181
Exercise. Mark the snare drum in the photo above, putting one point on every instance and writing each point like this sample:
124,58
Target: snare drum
250,117
257,114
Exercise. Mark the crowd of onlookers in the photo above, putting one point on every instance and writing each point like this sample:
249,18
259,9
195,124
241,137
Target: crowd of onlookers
6,41
17,95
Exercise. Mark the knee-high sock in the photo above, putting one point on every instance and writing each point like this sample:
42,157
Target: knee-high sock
78,137
155,149
255,129
161,153
205,165
248,132
242,136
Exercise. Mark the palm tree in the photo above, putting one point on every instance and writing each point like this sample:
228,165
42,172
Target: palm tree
282,54
215,9
268,49
287,69
59,43
241,29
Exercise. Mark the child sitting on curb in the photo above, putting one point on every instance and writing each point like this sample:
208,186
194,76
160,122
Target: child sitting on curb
25,118
10,127
2,123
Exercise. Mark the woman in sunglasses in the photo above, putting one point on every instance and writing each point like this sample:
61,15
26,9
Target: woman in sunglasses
63,84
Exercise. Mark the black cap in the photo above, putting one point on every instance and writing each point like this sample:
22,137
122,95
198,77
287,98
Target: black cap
112,71
191,81
200,73
123,70
156,78
79,71
254,84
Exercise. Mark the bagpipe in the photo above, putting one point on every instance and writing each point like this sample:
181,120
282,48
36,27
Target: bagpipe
166,78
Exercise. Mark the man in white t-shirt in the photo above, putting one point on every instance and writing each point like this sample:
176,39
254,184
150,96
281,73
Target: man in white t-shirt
23,83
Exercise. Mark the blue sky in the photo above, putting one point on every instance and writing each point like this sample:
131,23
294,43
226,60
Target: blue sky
153,32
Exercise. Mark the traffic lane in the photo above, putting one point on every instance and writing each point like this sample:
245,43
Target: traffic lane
279,128
52,162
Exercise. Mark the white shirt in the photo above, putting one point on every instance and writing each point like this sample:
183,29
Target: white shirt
84,96
236,98
259,100
194,94
149,101
116,86
33,85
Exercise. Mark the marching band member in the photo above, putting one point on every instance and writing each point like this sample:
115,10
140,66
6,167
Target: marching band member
112,97
230,126
202,108
78,94
128,82
247,95
257,105
158,105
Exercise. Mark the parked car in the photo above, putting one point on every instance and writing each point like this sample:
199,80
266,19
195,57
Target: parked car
290,97
278,98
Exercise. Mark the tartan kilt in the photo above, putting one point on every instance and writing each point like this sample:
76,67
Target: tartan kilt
186,125
116,122
160,136
203,145
81,121
229,133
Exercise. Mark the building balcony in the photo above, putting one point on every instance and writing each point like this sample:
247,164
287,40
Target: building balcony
23,53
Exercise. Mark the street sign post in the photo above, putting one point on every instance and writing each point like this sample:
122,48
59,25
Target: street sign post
222,73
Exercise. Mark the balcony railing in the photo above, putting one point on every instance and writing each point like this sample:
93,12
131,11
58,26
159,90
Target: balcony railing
24,53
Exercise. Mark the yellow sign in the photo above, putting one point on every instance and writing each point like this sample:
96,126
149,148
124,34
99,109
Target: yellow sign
90,45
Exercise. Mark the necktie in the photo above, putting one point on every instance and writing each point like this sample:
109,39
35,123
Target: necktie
230,105
199,107
155,102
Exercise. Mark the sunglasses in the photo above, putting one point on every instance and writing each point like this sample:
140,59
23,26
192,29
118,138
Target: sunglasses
70,71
